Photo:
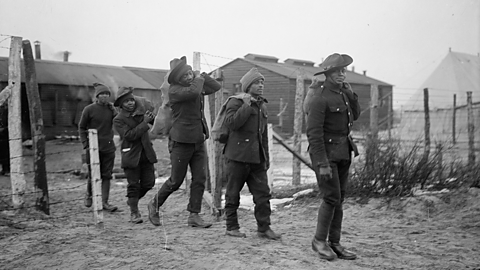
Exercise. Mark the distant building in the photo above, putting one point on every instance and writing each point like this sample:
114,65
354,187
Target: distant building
65,88
280,87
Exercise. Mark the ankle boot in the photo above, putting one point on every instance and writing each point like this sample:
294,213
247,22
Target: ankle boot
194,220
153,213
323,249
105,197
342,252
135,216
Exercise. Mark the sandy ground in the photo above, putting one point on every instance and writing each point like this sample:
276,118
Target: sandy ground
425,232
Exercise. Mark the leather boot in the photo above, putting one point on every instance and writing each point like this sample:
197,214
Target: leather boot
194,220
342,252
106,195
153,213
336,226
235,233
88,195
135,216
323,249
319,243
269,234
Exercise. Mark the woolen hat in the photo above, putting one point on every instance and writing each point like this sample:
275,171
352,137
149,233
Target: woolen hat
123,94
101,88
334,61
251,76
178,67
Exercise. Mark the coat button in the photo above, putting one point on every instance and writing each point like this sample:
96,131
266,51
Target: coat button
338,109
329,140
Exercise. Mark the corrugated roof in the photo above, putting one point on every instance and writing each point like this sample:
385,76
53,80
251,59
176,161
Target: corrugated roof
70,73
290,71
153,76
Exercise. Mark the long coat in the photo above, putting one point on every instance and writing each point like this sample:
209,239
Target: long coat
188,119
248,137
133,133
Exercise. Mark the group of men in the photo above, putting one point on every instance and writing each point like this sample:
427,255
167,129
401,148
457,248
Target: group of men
330,108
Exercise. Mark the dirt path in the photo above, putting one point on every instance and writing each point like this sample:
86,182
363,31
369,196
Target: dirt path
427,232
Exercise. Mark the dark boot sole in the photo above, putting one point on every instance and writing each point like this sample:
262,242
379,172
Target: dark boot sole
322,256
200,226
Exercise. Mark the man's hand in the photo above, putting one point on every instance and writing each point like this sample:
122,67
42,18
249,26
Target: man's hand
148,116
197,73
325,171
247,99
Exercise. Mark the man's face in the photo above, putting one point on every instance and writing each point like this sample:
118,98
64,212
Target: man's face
187,78
256,88
129,104
337,76
103,97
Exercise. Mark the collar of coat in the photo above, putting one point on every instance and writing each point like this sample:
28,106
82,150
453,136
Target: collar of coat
139,109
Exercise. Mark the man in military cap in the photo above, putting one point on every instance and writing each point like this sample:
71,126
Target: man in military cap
331,107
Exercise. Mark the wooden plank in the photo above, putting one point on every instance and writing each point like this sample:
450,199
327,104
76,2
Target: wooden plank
470,130
270,174
36,122
297,128
17,174
217,183
95,178
291,150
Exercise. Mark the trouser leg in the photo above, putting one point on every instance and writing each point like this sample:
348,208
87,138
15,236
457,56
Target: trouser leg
236,174
257,182
198,163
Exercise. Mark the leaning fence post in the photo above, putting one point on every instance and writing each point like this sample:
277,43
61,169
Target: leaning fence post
471,130
36,123
454,117
17,174
373,135
95,178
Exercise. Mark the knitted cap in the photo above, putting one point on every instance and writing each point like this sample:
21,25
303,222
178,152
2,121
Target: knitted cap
251,76
101,88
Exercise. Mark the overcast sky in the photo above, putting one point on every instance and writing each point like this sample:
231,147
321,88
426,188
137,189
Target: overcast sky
399,42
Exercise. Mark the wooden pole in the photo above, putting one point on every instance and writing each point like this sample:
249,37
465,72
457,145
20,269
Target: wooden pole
454,119
209,144
389,116
217,182
280,115
36,122
297,155
297,128
373,135
270,174
17,174
427,123
374,110
95,178
471,130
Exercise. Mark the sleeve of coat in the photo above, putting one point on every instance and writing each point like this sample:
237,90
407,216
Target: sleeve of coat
83,128
265,145
126,132
315,133
353,100
237,113
179,93
211,85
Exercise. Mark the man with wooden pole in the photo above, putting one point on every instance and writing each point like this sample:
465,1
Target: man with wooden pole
331,108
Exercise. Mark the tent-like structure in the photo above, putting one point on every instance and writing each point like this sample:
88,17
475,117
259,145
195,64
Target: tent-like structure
458,73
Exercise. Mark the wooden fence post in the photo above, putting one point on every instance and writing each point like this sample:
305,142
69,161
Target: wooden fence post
373,134
270,174
219,160
17,173
297,128
471,130
427,123
36,122
95,178
454,119
211,177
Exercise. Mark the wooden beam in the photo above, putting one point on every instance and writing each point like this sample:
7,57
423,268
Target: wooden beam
297,128
95,178
17,174
297,155
36,122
